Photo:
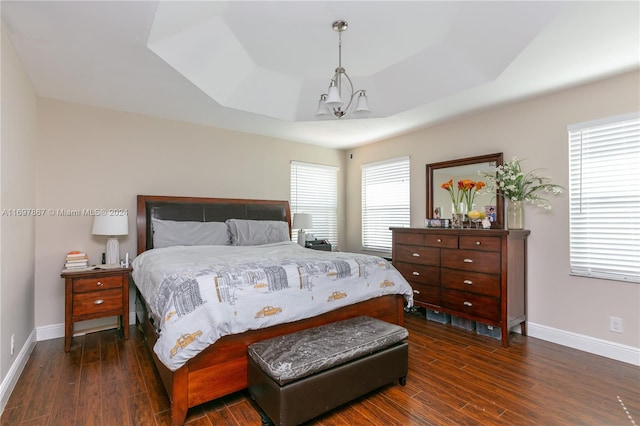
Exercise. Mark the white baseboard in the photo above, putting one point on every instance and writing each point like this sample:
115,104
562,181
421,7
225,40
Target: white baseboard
56,331
10,380
593,345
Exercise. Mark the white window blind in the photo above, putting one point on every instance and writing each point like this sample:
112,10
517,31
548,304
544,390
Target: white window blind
385,202
604,159
314,190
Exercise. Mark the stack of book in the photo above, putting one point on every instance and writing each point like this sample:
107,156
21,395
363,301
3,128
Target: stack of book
76,260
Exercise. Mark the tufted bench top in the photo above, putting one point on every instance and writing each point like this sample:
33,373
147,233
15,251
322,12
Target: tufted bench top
303,353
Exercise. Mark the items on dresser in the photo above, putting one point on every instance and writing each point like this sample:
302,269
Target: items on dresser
478,275
98,293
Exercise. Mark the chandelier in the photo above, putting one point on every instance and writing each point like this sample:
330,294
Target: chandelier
332,102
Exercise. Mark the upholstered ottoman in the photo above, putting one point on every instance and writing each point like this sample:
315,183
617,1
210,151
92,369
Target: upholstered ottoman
296,377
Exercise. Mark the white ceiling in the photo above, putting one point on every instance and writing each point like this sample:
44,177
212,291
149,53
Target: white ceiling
259,67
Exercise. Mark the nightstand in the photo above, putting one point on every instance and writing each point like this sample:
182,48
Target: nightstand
91,294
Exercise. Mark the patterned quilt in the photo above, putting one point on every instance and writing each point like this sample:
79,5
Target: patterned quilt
198,294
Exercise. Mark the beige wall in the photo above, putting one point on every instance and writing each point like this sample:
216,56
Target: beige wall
17,181
96,158
534,130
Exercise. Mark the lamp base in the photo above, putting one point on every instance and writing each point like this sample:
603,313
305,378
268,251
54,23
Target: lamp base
113,251
301,237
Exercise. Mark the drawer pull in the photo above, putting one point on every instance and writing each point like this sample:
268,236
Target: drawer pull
468,304
468,261
417,274
416,292
439,240
99,284
416,255
469,282
478,243
98,302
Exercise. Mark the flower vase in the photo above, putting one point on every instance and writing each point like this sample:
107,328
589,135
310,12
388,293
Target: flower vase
458,215
515,215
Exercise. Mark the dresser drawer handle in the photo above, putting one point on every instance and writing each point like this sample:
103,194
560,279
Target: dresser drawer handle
469,282
468,261
416,292
478,243
98,302
468,304
417,274
416,255
439,240
99,284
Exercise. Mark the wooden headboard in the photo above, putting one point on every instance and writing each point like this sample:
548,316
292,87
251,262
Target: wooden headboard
200,209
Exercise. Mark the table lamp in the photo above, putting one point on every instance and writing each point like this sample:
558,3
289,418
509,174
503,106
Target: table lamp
302,221
112,226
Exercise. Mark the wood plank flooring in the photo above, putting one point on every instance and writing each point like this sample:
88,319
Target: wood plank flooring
455,378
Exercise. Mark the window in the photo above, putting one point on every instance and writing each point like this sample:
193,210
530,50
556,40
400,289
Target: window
385,202
604,189
314,190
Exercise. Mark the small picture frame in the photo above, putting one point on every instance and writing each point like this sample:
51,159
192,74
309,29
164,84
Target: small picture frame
437,223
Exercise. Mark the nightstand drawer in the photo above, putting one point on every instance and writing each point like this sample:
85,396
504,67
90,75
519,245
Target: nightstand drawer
98,283
97,301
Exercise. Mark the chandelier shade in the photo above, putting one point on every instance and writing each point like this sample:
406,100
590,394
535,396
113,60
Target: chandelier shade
333,102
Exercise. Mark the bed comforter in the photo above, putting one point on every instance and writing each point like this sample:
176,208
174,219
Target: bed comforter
197,294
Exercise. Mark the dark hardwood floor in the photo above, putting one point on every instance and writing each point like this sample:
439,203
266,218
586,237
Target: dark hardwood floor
455,378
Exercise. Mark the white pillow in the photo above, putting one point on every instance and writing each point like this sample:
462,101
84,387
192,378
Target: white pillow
257,232
167,233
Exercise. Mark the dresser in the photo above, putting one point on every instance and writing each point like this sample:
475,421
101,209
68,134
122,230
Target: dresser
477,274
91,294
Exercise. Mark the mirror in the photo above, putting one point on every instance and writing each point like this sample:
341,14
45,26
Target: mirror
463,168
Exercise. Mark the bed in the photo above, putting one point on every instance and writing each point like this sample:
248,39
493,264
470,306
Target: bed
221,367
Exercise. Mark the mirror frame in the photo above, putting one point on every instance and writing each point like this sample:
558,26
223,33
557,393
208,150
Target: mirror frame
497,158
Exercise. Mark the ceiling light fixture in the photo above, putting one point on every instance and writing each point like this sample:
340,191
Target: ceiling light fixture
332,101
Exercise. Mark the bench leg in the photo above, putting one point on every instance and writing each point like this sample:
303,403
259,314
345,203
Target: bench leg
402,380
266,421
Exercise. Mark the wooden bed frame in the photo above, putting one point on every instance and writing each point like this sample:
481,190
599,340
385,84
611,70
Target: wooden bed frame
221,369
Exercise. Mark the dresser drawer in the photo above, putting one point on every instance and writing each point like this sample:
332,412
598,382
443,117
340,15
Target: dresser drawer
94,302
441,240
480,243
472,304
426,293
471,260
413,239
419,273
474,282
417,254
93,284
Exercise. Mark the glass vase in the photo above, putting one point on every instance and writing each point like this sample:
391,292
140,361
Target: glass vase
515,215
458,214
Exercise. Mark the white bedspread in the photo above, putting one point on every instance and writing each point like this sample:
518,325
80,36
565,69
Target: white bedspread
198,294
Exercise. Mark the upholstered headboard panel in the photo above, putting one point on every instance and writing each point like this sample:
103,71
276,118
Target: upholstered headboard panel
200,209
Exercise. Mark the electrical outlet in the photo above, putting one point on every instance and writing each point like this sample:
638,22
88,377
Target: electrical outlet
615,324
13,343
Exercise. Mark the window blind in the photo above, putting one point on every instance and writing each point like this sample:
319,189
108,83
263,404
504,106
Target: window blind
385,202
314,190
604,182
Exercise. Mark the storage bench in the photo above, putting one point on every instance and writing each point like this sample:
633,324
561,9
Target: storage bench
298,376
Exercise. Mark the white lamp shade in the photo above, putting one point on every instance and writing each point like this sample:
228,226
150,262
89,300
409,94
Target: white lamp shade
110,225
333,99
322,107
302,221
363,104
